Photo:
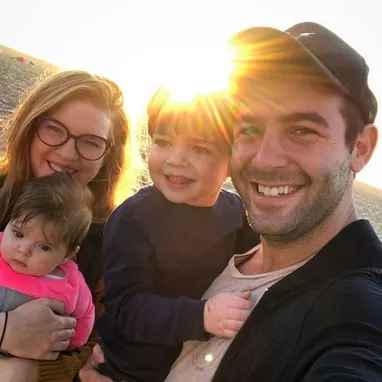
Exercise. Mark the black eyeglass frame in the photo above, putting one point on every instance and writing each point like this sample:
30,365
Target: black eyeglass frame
70,135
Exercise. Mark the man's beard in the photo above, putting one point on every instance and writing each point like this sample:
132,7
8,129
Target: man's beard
310,215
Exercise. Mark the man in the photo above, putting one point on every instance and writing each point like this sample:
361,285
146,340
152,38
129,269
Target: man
305,129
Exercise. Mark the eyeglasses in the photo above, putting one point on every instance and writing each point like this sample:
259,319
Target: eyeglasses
54,133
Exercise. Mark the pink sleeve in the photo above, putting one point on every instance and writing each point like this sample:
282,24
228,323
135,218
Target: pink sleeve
84,313
84,327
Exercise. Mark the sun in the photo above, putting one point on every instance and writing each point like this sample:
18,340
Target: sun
194,72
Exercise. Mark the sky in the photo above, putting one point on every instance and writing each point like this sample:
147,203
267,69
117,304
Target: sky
143,43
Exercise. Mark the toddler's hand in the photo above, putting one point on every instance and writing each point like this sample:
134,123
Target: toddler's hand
225,313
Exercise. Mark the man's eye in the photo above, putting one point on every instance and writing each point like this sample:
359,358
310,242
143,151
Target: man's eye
249,130
303,131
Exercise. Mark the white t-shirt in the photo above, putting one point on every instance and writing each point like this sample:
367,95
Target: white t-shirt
199,360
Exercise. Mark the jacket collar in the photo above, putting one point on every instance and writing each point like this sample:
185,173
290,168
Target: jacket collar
356,246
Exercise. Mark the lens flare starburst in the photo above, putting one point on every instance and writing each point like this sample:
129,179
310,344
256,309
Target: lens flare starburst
192,73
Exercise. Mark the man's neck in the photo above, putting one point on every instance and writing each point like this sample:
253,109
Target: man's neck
273,255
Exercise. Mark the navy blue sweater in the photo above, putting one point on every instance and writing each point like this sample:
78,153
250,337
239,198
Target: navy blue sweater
159,259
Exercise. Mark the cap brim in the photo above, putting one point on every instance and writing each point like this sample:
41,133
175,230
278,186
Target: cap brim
265,50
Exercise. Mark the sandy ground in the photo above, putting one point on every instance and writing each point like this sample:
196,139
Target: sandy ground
19,71
369,204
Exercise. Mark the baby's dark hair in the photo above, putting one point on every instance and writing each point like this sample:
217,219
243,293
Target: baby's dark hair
59,200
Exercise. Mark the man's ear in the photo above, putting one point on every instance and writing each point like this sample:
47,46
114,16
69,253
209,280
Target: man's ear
364,147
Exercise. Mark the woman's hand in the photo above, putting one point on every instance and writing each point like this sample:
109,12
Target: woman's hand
18,369
38,329
89,372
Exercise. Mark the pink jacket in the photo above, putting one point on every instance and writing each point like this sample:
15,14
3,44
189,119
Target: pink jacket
71,290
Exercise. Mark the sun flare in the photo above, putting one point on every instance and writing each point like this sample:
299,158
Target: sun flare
197,72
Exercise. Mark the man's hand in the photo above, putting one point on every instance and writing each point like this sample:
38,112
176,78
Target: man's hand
225,313
38,330
89,372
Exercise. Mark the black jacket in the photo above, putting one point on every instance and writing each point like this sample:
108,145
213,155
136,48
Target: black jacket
321,323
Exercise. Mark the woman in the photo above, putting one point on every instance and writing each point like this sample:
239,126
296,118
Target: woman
72,122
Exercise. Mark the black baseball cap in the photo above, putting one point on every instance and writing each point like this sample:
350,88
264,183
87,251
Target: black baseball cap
311,45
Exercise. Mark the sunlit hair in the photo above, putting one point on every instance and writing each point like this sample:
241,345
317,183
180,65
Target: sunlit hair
62,205
46,97
207,116
261,61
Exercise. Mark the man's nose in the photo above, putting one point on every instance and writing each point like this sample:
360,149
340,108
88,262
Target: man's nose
270,151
